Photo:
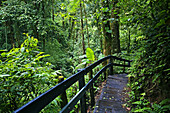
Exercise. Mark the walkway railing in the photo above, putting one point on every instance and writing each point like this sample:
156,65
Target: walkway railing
37,104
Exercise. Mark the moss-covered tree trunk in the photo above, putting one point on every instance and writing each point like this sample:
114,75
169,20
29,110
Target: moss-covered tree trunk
106,29
82,32
87,31
115,27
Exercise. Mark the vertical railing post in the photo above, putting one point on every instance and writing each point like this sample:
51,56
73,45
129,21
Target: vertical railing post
104,75
63,96
91,90
111,67
124,67
83,99
129,63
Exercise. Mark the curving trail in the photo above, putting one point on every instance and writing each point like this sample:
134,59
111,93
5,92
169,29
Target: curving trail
113,95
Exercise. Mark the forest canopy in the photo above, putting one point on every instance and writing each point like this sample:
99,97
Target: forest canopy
41,40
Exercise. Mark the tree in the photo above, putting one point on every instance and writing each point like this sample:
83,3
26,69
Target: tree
106,28
82,28
115,26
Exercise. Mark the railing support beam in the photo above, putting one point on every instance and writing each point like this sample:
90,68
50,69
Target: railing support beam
91,90
104,75
111,67
83,99
63,96
129,63
124,67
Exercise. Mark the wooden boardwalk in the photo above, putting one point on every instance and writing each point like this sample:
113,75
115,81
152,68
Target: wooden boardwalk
111,98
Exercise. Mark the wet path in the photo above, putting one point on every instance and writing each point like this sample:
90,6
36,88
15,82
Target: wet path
111,98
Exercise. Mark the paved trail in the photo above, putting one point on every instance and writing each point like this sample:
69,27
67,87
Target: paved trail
110,100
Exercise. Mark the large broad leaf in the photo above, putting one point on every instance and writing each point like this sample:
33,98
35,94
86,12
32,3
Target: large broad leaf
90,54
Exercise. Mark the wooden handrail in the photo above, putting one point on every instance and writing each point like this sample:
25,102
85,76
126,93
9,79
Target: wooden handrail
37,104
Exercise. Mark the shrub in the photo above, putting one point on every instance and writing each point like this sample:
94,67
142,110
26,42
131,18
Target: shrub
23,75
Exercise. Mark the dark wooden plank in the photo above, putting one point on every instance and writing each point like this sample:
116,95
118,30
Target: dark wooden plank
113,93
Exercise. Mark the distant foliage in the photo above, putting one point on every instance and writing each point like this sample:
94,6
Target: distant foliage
23,75
149,78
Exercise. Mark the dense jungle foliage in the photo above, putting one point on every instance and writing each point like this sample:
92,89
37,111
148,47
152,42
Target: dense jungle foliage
42,40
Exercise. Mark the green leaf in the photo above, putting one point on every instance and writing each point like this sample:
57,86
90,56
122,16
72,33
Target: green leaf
137,102
148,1
167,69
109,31
156,106
166,107
165,101
142,110
22,49
90,54
143,94
39,54
83,56
162,22
155,78
6,75
82,65
43,56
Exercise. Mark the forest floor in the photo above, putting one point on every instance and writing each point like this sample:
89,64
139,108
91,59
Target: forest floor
112,97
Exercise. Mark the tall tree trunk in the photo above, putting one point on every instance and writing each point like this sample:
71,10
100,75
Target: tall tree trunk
43,10
86,23
6,36
115,27
104,34
128,48
81,13
11,32
34,26
16,33
99,27
71,22
106,30
100,35
73,38
63,22
53,10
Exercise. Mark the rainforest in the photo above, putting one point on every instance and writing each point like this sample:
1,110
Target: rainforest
44,43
